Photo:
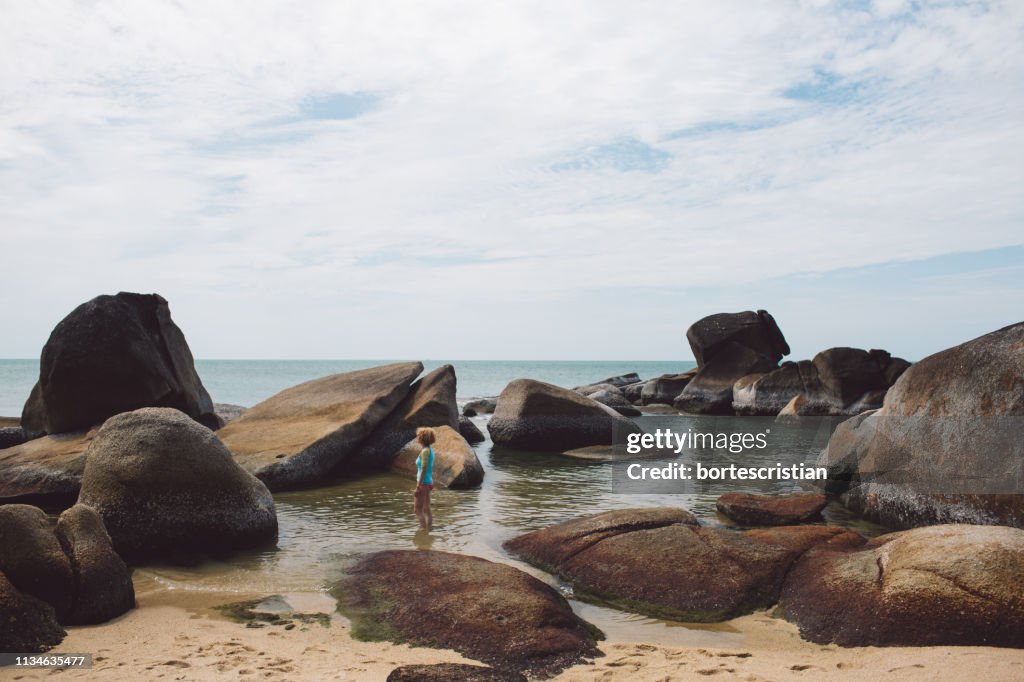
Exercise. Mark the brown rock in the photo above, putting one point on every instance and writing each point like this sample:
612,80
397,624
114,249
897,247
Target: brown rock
955,585
28,625
486,611
470,432
32,558
665,389
748,509
660,563
47,469
302,433
455,463
533,415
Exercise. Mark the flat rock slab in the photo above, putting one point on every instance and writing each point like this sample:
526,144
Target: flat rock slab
455,462
660,562
453,672
748,509
957,585
296,437
46,468
487,611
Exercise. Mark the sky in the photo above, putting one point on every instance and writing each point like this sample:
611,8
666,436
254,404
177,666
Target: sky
528,180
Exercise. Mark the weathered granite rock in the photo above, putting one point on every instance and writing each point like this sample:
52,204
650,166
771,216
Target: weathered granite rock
430,402
110,355
455,462
634,392
616,401
946,445
299,435
103,586
166,487
32,559
486,611
44,470
661,563
748,509
618,381
533,415
453,672
470,432
956,585
11,433
28,625
728,346
590,389
228,412
837,382
666,388
479,406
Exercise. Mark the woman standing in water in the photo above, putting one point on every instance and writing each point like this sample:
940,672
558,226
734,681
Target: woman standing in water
424,478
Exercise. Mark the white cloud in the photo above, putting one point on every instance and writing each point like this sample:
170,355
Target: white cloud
516,155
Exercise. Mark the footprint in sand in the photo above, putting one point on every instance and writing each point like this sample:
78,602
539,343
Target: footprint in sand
805,666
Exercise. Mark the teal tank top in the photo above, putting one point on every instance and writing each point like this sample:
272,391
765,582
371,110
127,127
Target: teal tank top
428,475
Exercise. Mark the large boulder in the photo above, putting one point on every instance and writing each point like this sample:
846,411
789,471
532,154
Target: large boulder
660,562
32,558
946,445
666,388
837,382
728,346
486,611
430,402
110,355
749,509
533,415
103,583
470,431
45,470
956,585
455,462
27,625
616,401
298,436
166,487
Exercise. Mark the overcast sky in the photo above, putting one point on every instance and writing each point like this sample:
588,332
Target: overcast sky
523,180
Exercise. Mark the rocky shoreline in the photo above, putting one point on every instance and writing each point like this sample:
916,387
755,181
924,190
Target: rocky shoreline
148,468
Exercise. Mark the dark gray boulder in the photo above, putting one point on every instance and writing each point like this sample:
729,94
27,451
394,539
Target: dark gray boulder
103,583
946,445
533,415
728,346
666,388
32,558
28,625
616,401
470,432
167,488
110,355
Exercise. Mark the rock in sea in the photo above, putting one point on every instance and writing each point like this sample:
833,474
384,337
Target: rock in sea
167,488
110,355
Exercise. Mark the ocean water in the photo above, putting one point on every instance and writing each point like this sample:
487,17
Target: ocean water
247,382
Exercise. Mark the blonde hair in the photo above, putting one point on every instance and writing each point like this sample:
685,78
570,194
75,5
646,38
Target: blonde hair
425,436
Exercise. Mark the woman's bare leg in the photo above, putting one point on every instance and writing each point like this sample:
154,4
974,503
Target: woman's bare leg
428,514
417,507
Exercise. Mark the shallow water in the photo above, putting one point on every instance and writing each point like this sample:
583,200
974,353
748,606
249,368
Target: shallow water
323,530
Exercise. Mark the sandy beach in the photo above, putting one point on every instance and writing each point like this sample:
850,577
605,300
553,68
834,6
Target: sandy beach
175,635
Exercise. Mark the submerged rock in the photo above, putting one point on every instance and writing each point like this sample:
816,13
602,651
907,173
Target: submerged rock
167,488
956,585
484,610
430,402
728,346
455,462
29,625
110,355
748,509
47,469
296,437
660,562
470,432
479,406
533,415
103,583
946,445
